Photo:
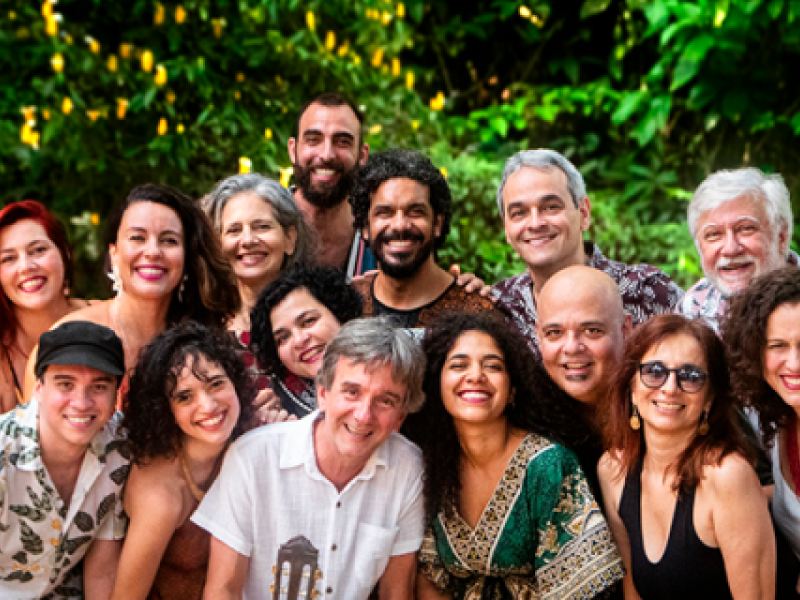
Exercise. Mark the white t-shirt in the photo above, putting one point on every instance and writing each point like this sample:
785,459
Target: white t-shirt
785,504
270,490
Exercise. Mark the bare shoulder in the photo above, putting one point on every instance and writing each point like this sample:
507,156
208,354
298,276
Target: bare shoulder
609,467
156,490
97,312
733,474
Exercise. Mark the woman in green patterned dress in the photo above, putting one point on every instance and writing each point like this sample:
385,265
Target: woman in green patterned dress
509,512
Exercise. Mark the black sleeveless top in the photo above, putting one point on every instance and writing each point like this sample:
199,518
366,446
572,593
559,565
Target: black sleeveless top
688,568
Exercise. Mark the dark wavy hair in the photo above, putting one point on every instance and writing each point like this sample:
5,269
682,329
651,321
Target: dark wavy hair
744,333
332,99
149,423
408,164
328,285
540,406
210,295
724,436
35,211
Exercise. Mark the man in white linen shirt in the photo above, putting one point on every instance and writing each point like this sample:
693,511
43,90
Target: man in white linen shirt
340,483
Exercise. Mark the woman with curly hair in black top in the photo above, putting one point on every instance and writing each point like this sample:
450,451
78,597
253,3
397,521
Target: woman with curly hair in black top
509,511
291,325
189,396
762,337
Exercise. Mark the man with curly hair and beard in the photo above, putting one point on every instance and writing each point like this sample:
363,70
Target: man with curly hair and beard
403,207
62,469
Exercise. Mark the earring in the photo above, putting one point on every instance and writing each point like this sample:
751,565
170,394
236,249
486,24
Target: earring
116,280
182,287
66,290
636,422
702,429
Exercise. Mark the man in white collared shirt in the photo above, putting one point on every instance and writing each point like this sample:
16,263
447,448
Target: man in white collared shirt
340,483
62,470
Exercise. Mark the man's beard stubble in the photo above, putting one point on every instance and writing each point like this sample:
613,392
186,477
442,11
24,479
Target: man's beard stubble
405,269
327,197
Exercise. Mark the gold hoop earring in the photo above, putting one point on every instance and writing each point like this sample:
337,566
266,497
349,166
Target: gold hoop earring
636,421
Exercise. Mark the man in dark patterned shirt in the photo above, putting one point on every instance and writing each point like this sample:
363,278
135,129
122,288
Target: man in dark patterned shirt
741,222
545,210
402,206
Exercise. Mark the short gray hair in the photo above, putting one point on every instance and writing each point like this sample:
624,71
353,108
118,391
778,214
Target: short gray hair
545,160
280,200
376,342
724,186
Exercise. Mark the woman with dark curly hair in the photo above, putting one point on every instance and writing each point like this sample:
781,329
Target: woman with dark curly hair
681,493
291,325
762,336
509,511
167,266
189,396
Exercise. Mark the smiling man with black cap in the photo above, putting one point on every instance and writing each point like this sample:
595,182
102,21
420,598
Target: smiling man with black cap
62,469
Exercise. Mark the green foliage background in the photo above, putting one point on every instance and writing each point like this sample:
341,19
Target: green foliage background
646,97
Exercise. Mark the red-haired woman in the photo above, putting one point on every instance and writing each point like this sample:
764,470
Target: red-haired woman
684,503
35,275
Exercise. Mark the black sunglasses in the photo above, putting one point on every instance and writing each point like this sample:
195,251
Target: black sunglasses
691,378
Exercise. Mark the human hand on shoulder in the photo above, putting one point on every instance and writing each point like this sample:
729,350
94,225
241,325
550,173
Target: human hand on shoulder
471,283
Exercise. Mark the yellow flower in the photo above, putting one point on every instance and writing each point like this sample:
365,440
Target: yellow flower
171,97
180,14
158,17
415,124
68,38
286,176
161,75
94,219
147,61
25,134
344,48
125,50
112,63
12,15
29,113
396,67
525,12
217,25
377,57
47,9
444,171
66,106
268,133
330,41
356,59
180,128
162,126
51,26
311,20
410,80
46,114
401,10
537,20
122,107
237,95
93,115
240,77
94,45
437,103
245,165
375,129
57,62
386,17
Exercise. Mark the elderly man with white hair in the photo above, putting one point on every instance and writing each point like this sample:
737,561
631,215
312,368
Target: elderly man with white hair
741,222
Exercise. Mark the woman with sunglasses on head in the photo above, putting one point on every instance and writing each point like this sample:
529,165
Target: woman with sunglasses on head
762,336
681,495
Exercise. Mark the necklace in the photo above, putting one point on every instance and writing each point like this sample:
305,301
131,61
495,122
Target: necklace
793,454
194,489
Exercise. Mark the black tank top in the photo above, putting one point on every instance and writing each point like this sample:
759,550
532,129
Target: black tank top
688,568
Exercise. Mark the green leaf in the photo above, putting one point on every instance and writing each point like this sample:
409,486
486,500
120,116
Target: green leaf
775,8
689,63
630,102
593,7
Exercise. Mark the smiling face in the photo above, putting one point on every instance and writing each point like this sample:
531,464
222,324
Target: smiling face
363,406
75,403
253,240
327,153
541,221
302,327
781,358
475,385
149,252
668,408
737,243
31,267
402,227
204,402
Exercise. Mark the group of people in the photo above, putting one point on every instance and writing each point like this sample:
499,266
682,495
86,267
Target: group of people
288,397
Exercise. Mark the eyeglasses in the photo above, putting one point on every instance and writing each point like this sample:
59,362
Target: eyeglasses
690,378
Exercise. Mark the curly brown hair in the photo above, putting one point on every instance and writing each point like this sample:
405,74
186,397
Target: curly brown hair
724,435
149,423
744,333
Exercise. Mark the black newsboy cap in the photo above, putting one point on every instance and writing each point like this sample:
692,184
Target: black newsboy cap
81,343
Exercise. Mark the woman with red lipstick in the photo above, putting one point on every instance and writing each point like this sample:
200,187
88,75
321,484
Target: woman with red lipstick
509,512
189,396
35,274
682,497
762,336
167,267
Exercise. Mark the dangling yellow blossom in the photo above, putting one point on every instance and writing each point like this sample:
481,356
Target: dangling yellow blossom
180,15
95,219
268,133
396,67
356,59
67,38
245,165
161,75
330,41
415,124
377,57
46,114
525,12
437,103
29,113
57,62
66,105
171,97
375,129
51,26
386,18
286,176
112,63
444,171
158,17
237,95
401,10
47,9
311,20
217,25
180,128
537,20
162,126
122,107
125,50
93,115
344,48
94,45
240,77
410,80
147,61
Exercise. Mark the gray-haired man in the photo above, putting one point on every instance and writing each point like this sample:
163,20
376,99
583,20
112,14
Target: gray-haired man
545,210
338,491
